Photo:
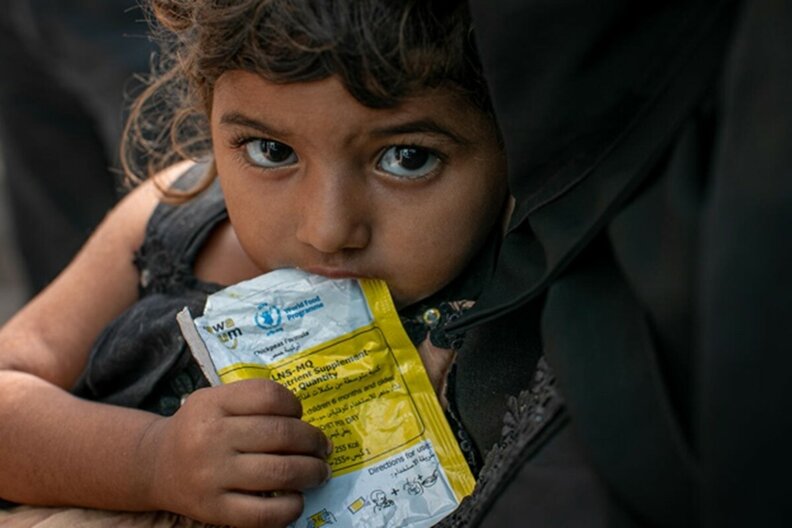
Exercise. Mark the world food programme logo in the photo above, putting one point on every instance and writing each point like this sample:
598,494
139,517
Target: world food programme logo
268,317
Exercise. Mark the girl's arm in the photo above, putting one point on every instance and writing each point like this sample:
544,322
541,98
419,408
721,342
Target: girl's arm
47,434
210,461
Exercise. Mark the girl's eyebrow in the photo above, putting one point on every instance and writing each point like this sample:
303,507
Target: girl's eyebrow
238,119
421,126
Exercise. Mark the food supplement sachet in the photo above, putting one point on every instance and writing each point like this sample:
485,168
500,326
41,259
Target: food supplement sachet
339,346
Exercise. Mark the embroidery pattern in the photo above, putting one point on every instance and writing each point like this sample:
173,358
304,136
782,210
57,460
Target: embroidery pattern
527,415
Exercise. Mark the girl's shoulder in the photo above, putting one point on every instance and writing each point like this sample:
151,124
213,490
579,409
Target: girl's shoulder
130,220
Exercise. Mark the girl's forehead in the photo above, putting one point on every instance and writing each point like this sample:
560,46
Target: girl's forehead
247,94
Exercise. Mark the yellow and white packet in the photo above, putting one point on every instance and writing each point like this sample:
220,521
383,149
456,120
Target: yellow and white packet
340,347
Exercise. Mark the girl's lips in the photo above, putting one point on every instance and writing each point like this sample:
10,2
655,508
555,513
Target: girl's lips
332,273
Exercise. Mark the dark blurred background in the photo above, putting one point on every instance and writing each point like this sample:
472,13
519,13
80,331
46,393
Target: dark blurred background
67,71
12,289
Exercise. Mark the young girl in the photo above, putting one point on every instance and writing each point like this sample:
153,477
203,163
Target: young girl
348,139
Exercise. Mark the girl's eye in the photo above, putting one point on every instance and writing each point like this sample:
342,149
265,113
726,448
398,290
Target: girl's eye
409,162
269,154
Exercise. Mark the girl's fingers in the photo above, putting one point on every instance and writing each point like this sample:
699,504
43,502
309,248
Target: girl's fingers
265,472
257,397
277,435
252,510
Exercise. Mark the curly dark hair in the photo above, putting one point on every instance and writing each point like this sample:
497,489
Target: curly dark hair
382,50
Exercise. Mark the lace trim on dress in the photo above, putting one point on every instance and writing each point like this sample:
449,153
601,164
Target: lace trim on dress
526,417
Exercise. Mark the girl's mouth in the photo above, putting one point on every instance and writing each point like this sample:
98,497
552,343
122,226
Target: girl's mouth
333,272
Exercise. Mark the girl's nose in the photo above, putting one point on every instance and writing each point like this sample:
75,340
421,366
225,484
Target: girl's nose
333,212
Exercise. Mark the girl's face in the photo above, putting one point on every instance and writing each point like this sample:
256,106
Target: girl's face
315,180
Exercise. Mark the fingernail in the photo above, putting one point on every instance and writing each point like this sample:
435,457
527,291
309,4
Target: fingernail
329,447
329,473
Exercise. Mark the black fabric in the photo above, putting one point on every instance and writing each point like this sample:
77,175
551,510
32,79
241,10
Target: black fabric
558,488
598,339
744,308
648,149
586,123
496,361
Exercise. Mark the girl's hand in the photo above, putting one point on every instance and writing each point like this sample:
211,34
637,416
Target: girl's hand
221,455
